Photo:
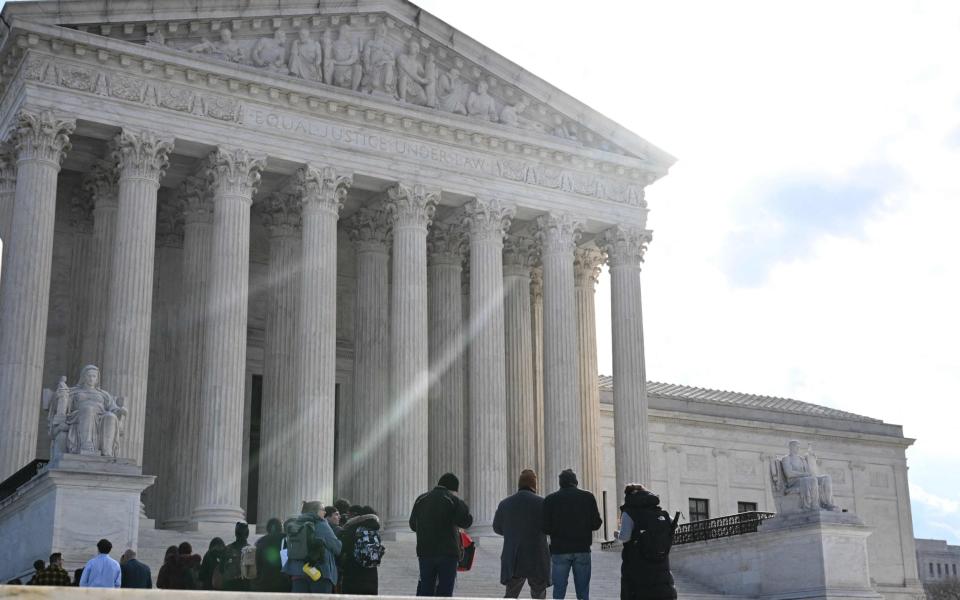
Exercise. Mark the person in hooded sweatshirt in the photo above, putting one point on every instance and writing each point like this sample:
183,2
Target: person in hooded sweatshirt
570,516
357,579
269,578
525,556
645,571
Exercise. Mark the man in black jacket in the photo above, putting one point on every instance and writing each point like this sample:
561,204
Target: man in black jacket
570,516
437,517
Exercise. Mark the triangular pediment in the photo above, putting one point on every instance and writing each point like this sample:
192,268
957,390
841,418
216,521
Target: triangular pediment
387,49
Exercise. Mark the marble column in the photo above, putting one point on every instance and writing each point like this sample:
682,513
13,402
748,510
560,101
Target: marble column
82,269
445,252
236,174
142,157
465,359
625,247
586,268
102,185
321,190
518,258
411,209
41,140
558,234
197,238
281,217
163,407
536,347
487,221
8,191
370,231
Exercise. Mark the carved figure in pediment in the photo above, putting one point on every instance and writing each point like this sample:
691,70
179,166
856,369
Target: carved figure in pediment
567,131
227,48
481,103
430,72
452,92
156,39
411,76
271,53
341,65
510,114
379,74
306,57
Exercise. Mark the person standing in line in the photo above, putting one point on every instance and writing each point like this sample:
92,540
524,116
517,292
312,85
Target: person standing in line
570,516
323,550
362,552
37,567
332,515
133,573
211,563
647,535
269,577
436,518
101,571
54,573
525,556
231,570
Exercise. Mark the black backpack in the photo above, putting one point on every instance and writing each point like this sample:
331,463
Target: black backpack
654,542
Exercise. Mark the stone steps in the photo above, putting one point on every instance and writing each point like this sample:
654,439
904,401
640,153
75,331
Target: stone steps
399,571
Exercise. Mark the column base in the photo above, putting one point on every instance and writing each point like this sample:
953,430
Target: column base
478,530
398,530
215,516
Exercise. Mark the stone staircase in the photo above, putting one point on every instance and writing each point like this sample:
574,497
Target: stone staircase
398,572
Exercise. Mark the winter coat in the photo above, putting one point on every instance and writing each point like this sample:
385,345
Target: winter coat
642,578
357,579
525,554
332,546
269,578
436,517
570,516
210,563
135,574
181,572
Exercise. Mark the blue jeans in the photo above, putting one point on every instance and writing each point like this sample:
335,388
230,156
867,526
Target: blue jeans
580,563
437,576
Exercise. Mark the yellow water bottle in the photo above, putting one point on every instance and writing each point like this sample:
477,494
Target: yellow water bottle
312,572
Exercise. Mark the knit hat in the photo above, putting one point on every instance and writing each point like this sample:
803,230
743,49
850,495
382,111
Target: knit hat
449,481
528,479
568,478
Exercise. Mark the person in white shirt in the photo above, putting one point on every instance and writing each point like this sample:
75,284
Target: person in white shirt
101,570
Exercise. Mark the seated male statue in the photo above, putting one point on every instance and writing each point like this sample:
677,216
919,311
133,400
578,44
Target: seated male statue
816,491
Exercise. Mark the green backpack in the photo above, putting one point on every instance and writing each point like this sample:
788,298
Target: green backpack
302,541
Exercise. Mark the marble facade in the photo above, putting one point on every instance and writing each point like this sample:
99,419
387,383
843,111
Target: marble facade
318,252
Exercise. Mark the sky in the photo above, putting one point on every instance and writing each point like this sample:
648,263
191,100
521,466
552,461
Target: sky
805,241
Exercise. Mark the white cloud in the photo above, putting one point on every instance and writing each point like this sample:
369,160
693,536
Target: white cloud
941,505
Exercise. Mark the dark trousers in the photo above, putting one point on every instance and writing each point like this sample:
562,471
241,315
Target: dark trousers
305,585
438,574
538,589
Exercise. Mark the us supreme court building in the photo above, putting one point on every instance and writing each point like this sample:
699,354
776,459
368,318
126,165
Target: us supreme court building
339,249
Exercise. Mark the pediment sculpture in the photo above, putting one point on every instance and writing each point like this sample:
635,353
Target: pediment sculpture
797,484
84,419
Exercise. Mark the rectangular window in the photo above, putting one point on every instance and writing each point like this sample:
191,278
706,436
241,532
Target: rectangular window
699,509
938,570
931,569
954,569
743,507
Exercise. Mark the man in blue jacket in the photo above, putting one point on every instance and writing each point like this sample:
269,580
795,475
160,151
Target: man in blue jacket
327,563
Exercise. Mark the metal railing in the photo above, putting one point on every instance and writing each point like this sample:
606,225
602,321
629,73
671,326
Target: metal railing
709,529
9,485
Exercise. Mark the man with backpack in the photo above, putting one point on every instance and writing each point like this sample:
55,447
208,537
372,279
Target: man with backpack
570,516
362,552
647,535
437,517
312,551
238,564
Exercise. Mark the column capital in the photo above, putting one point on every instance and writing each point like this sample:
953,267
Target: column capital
624,245
487,219
558,232
446,244
536,284
42,136
586,265
81,211
235,172
281,214
197,204
142,154
8,168
370,229
520,254
322,187
412,205
170,220
101,182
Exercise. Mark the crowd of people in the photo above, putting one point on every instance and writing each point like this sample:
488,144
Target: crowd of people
338,548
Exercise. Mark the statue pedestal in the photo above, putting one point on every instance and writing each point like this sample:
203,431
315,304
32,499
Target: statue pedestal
817,555
74,502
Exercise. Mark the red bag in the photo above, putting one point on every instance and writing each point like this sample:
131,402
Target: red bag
468,549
